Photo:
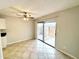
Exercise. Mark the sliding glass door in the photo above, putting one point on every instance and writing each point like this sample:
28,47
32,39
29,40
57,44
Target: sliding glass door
49,33
46,32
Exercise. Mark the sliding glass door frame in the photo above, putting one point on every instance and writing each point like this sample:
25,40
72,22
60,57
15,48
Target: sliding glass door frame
43,30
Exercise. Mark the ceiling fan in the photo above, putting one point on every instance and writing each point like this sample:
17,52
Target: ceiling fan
25,14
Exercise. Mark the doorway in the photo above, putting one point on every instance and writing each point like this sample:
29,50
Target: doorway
46,32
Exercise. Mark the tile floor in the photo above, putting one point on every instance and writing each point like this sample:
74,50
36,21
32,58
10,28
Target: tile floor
32,49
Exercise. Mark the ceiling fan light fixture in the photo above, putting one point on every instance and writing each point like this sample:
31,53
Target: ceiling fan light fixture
26,19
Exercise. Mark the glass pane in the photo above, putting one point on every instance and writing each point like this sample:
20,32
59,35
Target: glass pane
49,33
40,31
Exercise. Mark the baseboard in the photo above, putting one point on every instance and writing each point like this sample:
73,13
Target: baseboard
17,42
73,57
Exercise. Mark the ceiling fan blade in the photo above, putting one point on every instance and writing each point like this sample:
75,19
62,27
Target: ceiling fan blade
17,9
31,17
22,11
18,15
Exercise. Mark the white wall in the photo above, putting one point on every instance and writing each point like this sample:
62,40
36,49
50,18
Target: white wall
68,31
2,23
19,30
67,36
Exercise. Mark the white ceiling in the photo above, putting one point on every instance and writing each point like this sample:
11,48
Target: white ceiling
39,7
